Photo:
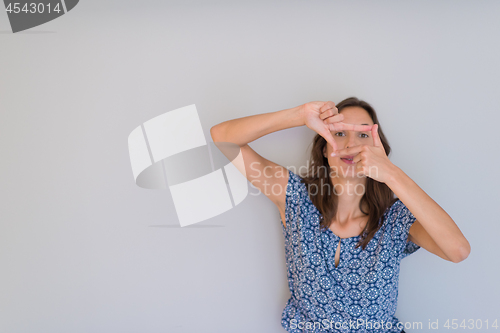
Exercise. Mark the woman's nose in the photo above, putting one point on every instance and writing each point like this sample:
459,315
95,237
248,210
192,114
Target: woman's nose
351,141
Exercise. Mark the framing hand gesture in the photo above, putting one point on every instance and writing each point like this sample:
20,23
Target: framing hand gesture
371,161
324,117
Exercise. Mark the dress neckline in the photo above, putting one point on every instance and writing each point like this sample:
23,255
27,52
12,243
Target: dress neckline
338,237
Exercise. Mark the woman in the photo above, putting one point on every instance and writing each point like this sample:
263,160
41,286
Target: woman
348,223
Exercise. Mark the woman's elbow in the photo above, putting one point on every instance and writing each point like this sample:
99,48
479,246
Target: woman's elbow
215,133
461,253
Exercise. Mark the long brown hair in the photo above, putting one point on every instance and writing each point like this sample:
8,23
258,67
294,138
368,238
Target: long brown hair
377,197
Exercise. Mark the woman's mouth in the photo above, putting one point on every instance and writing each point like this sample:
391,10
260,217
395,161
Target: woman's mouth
348,159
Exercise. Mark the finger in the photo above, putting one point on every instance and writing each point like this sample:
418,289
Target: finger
333,118
326,114
340,126
349,151
327,135
360,169
376,139
357,158
327,106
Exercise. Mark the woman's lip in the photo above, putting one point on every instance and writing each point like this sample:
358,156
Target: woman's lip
347,161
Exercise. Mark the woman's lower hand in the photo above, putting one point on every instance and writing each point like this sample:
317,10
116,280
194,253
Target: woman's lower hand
371,161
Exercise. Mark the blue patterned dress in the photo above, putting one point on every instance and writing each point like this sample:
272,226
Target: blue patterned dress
360,294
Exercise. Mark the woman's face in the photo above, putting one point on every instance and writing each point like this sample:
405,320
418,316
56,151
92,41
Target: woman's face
352,115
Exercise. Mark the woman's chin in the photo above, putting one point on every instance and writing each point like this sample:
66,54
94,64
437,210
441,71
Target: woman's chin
347,172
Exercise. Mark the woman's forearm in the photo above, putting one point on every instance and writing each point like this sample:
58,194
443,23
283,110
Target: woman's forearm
247,129
434,219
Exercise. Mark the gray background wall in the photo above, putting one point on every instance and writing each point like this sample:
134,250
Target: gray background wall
83,249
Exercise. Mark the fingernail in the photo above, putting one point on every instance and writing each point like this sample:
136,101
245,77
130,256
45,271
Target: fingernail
333,154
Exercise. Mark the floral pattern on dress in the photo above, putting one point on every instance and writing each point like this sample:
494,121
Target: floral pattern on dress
364,285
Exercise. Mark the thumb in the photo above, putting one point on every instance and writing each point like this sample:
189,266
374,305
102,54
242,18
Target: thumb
376,138
327,135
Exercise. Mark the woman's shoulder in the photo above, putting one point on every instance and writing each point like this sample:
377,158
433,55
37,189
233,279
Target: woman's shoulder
294,176
398,209
398,215
391,212
296,189
295,181
393,207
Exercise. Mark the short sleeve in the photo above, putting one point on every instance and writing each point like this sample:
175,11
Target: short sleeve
407,219
294,202
400,220
291,199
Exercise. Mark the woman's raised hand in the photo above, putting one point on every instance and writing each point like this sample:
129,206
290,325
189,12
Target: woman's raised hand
315,113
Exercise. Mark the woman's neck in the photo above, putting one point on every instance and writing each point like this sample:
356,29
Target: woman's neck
349,193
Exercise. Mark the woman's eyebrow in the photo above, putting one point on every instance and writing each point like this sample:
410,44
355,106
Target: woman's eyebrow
367,125
351,127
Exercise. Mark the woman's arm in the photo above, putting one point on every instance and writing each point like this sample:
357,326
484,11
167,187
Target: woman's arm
433,227
261,172
247,129
270,178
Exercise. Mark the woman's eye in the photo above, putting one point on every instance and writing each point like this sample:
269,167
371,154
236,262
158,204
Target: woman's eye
363,135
